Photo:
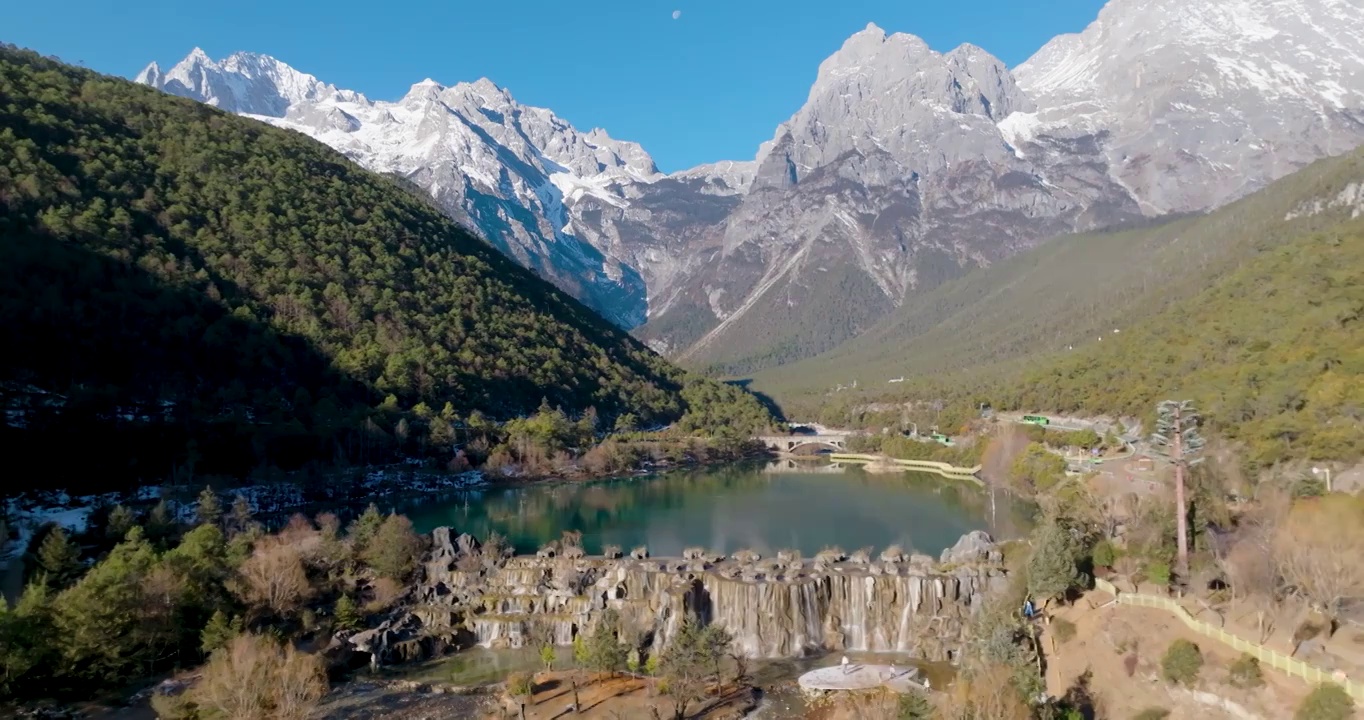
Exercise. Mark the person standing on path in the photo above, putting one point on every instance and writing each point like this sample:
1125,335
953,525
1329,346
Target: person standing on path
845,664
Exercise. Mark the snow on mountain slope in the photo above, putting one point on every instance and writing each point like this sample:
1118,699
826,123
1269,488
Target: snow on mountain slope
243,83
511,171
1205,100
893,177
905,167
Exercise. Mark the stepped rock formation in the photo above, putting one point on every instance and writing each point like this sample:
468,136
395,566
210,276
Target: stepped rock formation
778,608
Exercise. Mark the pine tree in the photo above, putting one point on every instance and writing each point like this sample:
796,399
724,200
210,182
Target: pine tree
364,527
59,559
1177,437
100,619
1051,569
26,638
219,631
240,519
604,651
392,550
210,508
121,520
347,614
160,524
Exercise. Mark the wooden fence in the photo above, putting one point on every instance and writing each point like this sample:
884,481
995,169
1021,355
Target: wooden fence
1276,660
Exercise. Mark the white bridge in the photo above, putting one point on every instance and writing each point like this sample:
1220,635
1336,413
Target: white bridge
792,443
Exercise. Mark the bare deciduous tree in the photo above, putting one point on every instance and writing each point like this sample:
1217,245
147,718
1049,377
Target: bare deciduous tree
989,692
1317,550
1247,563
254,678
273,578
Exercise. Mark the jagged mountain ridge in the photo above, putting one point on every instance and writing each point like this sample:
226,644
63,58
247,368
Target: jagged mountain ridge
893,177
904,168
515,173
1205,101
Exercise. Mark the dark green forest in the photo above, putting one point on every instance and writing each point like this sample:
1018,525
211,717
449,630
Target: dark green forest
184,289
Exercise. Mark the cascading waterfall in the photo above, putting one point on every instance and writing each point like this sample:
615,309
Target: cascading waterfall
773,610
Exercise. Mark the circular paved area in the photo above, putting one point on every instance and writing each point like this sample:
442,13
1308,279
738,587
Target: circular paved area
862,677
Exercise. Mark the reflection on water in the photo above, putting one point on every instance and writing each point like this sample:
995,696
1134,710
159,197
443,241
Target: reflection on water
731,507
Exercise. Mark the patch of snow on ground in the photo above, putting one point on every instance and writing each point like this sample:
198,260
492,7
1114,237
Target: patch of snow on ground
26,513
1018,128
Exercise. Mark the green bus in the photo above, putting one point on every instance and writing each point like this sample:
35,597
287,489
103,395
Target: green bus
1036,420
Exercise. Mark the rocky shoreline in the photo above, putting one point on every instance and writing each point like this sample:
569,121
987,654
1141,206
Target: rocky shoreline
279,499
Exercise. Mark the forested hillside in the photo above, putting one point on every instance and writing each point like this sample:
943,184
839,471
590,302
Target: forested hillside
181,286
1273,354
1074,289
1253,310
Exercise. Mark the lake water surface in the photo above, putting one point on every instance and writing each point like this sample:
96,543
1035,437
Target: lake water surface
764,507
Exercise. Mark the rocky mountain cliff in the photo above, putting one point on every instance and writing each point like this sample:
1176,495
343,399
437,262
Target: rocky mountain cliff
893,177
558,200
905,167
1204,101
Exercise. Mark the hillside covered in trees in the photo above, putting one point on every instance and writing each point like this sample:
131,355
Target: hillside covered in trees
181,287
1273,354
1253,310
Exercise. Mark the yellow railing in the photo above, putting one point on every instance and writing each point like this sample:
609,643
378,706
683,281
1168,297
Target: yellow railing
1276,660
944,469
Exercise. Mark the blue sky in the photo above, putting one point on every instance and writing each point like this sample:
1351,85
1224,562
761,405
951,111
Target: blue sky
709,85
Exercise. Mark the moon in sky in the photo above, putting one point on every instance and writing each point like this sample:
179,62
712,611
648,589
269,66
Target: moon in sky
677,14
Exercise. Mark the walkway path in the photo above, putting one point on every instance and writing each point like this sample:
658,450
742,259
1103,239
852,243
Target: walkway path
946,470
1267,656
863,677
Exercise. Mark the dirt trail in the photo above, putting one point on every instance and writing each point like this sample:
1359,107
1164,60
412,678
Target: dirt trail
606,698
1120,646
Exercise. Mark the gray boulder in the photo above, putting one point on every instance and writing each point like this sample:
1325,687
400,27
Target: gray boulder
974,546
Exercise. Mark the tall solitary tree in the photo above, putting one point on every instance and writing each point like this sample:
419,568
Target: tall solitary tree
605,653
59,559
1177,438
1051,568
210,509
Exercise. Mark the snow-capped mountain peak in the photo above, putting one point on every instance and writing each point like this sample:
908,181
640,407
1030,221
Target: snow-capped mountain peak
247,83
1219,81
150,75
905,166
514,172
892,93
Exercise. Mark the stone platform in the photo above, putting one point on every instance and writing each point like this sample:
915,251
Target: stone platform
904,679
